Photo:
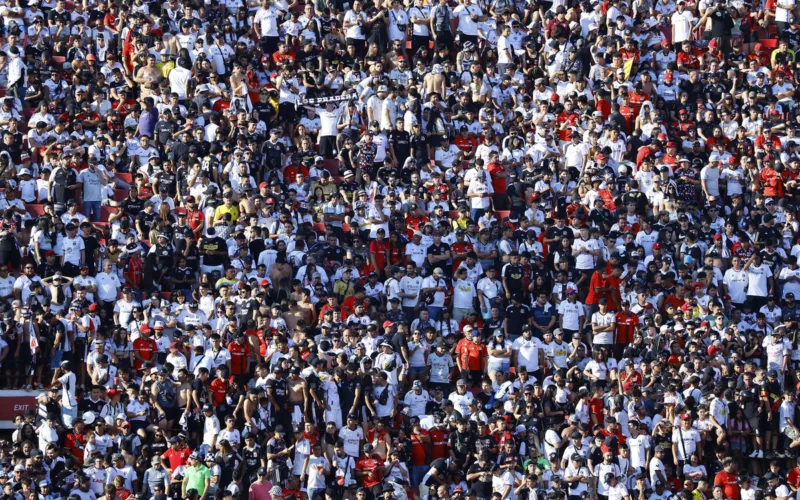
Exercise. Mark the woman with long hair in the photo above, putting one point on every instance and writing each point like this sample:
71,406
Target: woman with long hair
553,414
121,348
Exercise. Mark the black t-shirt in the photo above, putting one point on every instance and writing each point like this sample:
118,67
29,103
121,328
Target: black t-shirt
278,389
420,145
91,244
332,254
482,485
514,277
168,179
164,131
146,220
213,244
133,207
441,468
401,141
398,341
437,250
558,234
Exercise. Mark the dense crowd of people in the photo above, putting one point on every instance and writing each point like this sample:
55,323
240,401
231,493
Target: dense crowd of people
400,249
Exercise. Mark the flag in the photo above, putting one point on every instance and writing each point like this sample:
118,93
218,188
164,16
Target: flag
628,66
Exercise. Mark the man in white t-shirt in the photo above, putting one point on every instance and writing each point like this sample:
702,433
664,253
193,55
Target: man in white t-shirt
604,324
352,434
759,280
74,251
682,24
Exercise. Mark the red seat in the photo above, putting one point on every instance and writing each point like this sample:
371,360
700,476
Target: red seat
105,212
125,177
768,45
35,210
319,227
346,228
332,166
166,295
453,214
102,225
500,214
120,194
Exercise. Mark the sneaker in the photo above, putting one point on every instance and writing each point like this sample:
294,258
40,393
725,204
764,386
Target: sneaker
760,454
754,454
771,455
28,388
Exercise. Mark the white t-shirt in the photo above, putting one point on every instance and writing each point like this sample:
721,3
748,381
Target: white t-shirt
689,439
268,20
527,352
352,440
464,14
606,319
737,283
355,32
585,261
682,25
571,313
757,277
72,250
317,466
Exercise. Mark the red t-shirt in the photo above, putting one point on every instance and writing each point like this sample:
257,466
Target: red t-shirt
596,281
596,408
239,357
372,464
729,483
176,458
438,443
418,449
379,249
146,349
498,183
219,389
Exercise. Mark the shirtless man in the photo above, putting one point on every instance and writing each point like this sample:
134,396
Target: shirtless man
297,394
250,410
149,74
239,97
435,81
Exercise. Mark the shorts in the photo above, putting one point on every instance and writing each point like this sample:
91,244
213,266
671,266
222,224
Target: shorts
171,414
499,366
418,370
758,425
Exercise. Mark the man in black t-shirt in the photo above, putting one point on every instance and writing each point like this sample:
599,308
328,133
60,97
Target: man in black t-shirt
479,476
400,140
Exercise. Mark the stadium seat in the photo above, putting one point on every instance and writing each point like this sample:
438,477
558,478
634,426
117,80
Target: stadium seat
125,177
120,194
105,212
332,166
35,210
501,214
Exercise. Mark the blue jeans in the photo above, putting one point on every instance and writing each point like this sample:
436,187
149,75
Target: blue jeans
68,416
417,473
433,312
316,493
56,361
91,209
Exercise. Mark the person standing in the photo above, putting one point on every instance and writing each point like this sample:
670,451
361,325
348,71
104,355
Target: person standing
260,489
442,25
